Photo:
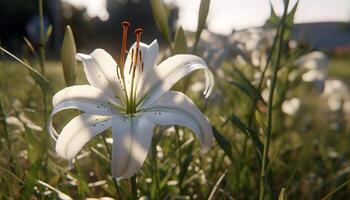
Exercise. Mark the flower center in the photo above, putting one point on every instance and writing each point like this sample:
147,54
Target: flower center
136,57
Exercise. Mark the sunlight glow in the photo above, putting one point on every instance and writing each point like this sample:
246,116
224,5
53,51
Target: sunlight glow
226,15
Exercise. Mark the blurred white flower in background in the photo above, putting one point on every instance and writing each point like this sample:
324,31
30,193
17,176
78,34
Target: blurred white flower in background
93,8
337,94
19,118
254,42
316,64
291,106
215,48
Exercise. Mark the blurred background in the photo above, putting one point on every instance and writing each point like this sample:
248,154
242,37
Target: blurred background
310,131
322,24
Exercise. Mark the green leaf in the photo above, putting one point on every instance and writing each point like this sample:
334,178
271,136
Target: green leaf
282,195
68,52
161,19
224,144
260,119
184,166
251,134
30,180
247,90
180,43
290,16
35,148
245,86
29,44
289,22
273,21
39,78
202,18
48,34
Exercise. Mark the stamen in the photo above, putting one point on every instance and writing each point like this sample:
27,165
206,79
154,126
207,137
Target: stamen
138,33
125,25
132,60
118,70
141,61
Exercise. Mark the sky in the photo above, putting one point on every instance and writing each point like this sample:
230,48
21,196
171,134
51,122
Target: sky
226,15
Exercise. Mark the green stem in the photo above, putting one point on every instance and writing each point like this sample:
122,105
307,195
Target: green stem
133,187
42,37
110,156
42,56
269,106
179,158
261,81
155,170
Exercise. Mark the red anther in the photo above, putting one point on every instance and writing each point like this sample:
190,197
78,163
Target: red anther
125,24
138,33
138,30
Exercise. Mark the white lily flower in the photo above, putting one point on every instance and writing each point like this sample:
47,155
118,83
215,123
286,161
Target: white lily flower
130,97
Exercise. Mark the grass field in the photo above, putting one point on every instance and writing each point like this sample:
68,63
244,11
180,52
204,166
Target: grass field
309,151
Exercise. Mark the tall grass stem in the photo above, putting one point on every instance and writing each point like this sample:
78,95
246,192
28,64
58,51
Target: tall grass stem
270,105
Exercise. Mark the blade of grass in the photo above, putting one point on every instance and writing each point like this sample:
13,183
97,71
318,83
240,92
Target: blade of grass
269,105
336,189
43,82
216,186
305,149
202,18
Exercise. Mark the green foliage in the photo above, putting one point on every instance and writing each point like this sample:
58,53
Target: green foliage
180,43
224,144
39,78
202,18
308,155
161,19
282,195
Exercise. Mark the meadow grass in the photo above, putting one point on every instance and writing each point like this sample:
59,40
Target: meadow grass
312,145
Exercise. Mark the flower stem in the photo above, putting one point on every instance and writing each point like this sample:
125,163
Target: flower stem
261,81
179,157
155,170
110,156
270,105
133,187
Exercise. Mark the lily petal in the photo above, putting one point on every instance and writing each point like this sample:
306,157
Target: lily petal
86,106
132,137
175,108
149,57
169,72
84,92
101,71
78,132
